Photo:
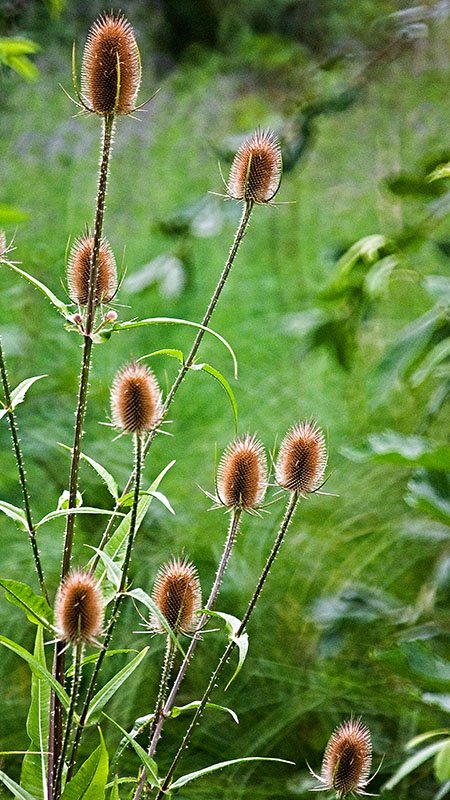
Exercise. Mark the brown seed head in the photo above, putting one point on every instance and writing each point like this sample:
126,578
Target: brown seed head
178,595
79,608
135,399
347,759
256,169
111,69
79,270
302,459
242,474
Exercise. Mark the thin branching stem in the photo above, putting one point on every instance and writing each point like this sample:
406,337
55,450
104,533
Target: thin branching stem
158,722
115,613
78,656
240,233
232,644
22,473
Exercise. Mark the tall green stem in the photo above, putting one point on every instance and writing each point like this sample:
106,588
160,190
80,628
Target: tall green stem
117,603
22,474
232,644
79,648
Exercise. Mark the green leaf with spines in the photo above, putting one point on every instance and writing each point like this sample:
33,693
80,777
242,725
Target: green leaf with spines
35,606
192,776
99,700
90,781
58,304
18,394
37,668
139,725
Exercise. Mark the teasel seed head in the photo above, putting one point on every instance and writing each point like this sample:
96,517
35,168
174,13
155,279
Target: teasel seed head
347,760
177,593
111,69
79,270
302,459
79,608
255,173
242,474
135,399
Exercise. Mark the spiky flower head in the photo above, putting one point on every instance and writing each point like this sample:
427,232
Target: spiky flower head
111,68
79,608
255,173
177,593
347,760
242,474
79,271
135,399
302,459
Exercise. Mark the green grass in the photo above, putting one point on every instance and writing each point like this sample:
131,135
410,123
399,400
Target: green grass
310,665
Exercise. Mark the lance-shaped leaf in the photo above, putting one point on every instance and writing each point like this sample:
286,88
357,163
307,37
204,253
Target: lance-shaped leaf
390,447
18,394
95,656
99,701
37,669
33,775
65,512
35,606
90,781
224,384
150,765
177,710
15,513
106,477
139,725
59,305
192,776
412,763
14,787
232,625
146,600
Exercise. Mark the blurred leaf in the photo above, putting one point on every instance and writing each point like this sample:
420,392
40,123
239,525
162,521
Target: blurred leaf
12,216
443,171
167,270
415,660
37,669
366,251
377,279
90,781
192,776
115,789
108,479
424,737
232,625
33,776
14,513
99,701
14,787
14,54
177,710
442,763
390,447
406,185
438,286
18,394
225,385
429,493
150,765
443,791
59,305
412,763
36,608
440,352
55,7
442,701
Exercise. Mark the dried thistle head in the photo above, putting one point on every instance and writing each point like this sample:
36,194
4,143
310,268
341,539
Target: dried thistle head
347,760
79,270
255,173
135,399
242,474
302,459
79,608
111,68
178,595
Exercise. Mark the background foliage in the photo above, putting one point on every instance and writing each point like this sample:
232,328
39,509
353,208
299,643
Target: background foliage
355,616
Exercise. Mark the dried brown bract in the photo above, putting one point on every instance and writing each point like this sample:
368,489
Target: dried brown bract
255,173
79,608
242,474
79,271
347,760
302,459
111,69
135,399
177,594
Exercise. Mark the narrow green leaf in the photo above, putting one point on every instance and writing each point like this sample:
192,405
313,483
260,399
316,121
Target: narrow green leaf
127,499
33,776
166,351
108,479
113,571
232,625
192,776
440,352
139,725
177,710
423,737
14,787
115,789
95,656
11,216
65,512
442,763
390,447
121,326
225,385
35,606
428,492
14,513
146,761
18,394
146,600
412,763
37,668
99,701
90,781
59,305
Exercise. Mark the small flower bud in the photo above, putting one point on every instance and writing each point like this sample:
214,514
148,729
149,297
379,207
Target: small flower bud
302,459
178,595
77,319
255,173
79,608
79,271
111,316
111,69
135,399
242,474
347,760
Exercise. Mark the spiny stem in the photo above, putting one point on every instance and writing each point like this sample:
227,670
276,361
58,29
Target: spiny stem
79,648
169,657
55,705
240,233
232,644
22,474
117,602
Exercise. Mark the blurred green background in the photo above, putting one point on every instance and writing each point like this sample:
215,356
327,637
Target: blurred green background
354,619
